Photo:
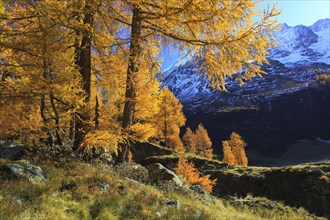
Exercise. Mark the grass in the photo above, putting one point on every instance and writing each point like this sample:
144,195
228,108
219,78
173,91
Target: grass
124,199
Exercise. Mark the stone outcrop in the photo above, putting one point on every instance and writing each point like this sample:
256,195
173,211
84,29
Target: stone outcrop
23,170
306,185
11,151
143,150
158,173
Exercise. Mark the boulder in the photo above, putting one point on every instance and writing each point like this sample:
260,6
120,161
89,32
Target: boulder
99,183
11,151
159,173
174,203
99,155
199,189
68,185
22,170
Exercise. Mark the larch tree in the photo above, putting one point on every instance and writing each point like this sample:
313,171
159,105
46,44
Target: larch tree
36,69
203,142
53,68
223,33
189,141
228,155
234,150
169,120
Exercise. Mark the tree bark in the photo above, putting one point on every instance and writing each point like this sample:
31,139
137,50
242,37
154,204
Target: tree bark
83,62
132,69
97,114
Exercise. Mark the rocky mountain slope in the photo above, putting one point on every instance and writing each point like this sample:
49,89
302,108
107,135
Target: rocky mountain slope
285,105
38,187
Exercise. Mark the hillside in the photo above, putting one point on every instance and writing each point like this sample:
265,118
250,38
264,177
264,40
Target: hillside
79,190
272,113
90,127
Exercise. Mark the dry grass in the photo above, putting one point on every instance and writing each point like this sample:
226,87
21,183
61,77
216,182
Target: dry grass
124,199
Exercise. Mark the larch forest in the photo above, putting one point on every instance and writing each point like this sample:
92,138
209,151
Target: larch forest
82,97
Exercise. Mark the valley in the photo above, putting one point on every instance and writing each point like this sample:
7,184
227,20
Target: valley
273,112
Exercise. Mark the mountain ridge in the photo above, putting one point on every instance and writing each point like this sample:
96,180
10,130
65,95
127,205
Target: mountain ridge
288,99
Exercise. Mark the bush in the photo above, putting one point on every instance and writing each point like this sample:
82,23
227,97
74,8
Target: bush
193,177
133,171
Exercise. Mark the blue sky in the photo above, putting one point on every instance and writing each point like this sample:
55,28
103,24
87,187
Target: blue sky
306,12
294,12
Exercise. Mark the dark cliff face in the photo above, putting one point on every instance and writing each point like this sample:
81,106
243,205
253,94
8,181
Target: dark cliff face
274,124
305,185
300,186
270,113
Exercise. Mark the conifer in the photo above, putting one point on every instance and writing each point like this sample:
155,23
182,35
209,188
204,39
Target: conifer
203,142
234,150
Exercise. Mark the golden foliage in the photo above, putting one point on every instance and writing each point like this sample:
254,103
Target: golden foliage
22,121
324,79
143,131
228,155
101,139
188,170
228,35
189,141
43,90
169,120
234,150
203,142
198,142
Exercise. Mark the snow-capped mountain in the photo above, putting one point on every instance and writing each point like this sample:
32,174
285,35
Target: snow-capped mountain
299,49
285,105
303,44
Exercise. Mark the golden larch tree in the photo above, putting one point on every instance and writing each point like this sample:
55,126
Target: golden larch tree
234,150
203,142
53,71
228,155
169,120
189,141
227,35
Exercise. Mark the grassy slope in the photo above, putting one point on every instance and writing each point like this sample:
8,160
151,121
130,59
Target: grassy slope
125,199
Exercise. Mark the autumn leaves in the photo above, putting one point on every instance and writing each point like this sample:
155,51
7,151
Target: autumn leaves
199,143
86,73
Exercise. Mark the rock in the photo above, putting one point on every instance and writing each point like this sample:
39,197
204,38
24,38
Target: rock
107,158
100,155
199,189
142,150
175,203
11,151
133,171
23,170
99,183
70,186
159,173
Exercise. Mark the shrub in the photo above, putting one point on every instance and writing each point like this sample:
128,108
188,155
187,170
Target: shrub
133,171
189,171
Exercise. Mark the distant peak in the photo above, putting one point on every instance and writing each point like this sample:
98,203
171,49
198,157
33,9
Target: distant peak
285,26
321,25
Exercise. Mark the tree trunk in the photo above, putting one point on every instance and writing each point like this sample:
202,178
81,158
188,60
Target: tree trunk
133,65
83,62
97,114
57,121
